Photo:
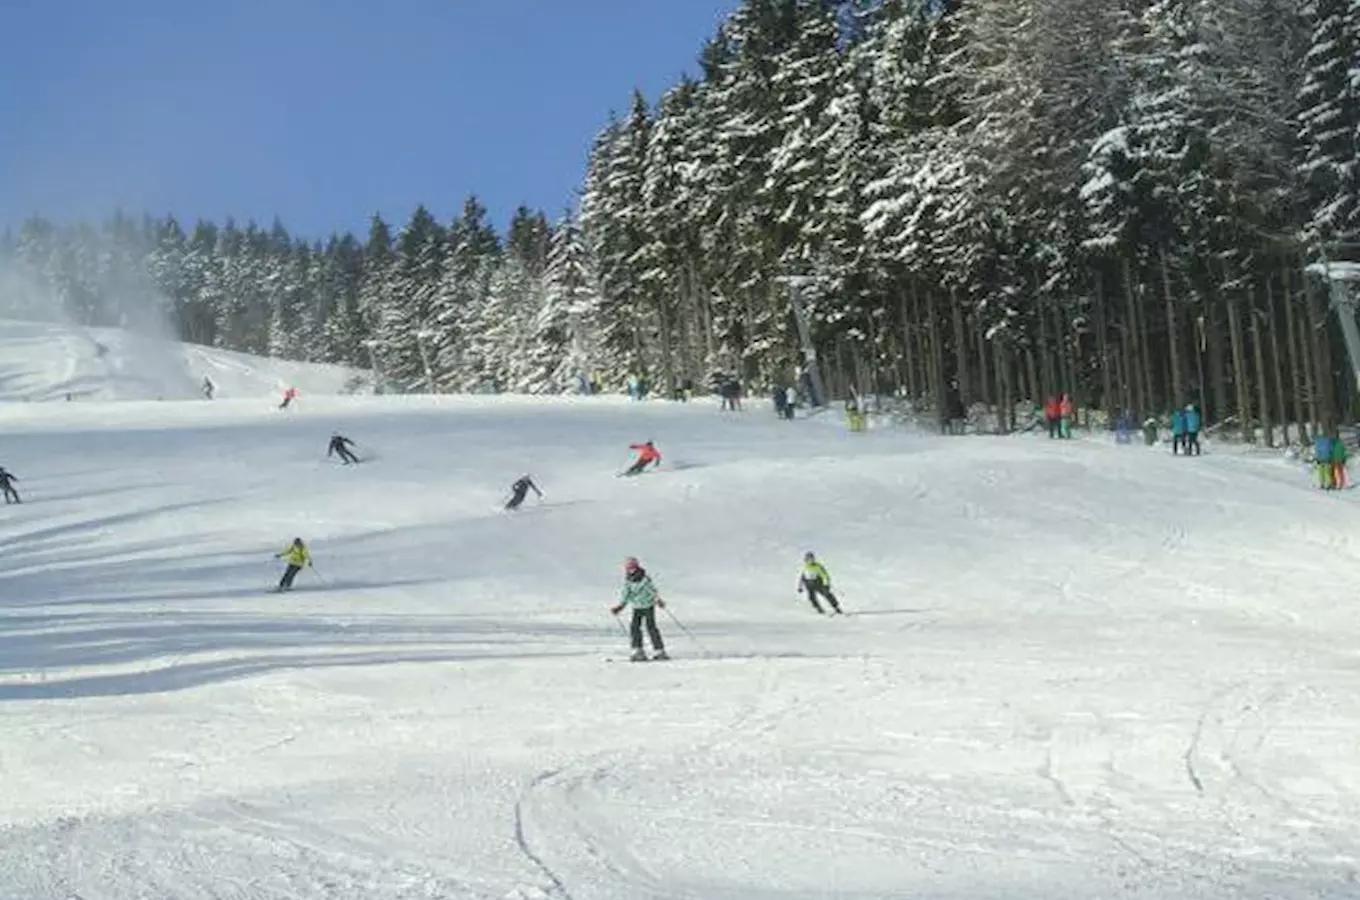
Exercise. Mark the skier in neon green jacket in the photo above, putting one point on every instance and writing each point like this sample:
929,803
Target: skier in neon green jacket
640,594
816,581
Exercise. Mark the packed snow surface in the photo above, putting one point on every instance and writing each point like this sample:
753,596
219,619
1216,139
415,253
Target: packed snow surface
1070,669
42,361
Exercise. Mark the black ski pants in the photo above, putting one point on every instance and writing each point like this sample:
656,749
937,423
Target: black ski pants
645,617
1192,444
637,467
816,589
517,498
11,495
286,582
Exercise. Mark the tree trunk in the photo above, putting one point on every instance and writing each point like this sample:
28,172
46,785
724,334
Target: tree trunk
1005,406
1322,357
960,351
936,361
1132,340
1262,383
1277,361
1173,354
1305,390
1239,365
980,335
1103,348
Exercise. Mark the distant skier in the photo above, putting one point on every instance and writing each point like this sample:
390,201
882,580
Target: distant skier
816,582
1322,459
7,480
640,594
520,489
790,402
1337,461
1052,416
208,387
339,446
647,455
297,557
1177,431
1067,416
289,395
1192,425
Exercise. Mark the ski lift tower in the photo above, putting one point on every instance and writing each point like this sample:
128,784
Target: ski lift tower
1343,279
798,286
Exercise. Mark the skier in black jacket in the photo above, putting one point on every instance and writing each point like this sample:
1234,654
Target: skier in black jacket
7,480
340,446
520,489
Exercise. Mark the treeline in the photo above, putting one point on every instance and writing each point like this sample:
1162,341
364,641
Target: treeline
988,200
1003,198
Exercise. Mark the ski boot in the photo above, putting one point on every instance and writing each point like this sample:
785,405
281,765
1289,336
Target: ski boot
660,656
638,656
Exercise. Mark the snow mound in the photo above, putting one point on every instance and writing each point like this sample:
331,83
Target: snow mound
44,361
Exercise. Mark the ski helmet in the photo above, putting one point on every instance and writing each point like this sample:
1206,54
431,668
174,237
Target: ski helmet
809,556
631,564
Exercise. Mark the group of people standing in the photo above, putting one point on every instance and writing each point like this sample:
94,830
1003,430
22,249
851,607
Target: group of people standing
1329,460
1185,427
1059,413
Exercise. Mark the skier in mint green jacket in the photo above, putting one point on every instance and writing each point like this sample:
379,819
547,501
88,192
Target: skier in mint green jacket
640,594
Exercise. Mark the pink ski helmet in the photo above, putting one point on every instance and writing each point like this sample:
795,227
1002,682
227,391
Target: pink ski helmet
631,564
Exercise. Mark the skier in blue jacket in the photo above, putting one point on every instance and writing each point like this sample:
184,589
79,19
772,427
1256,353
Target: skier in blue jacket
1177,431
1192,424
1322,460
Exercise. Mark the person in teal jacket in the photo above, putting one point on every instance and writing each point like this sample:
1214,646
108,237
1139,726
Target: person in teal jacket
1192,424
1177,430
1337,461
641,595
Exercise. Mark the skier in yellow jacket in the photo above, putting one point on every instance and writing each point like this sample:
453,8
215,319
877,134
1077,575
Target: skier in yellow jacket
297,557
816,581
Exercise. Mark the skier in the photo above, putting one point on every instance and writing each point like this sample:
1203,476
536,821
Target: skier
780,402
640,594
790,402
647,454
816,581
1322,459
520,489
1192,424
1177,431
289,395
1337,461
1052,416
1067,414
297,557
339,446
7,480
208,387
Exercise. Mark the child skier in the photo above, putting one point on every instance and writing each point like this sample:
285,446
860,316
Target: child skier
816,581
1067,414
297,557
640,594
340,446
7,480
1337,461
289,396
520,489
1322,459
647,454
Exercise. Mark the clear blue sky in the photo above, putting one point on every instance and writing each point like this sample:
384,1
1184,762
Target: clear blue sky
320,111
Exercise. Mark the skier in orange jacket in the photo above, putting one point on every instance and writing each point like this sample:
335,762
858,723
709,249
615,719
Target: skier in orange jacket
647,454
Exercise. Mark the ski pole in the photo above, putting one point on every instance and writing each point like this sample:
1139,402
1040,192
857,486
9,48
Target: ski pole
318,576
622,627
681,626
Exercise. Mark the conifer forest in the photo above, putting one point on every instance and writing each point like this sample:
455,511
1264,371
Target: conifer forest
975,203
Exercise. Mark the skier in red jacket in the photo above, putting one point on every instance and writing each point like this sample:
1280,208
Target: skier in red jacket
647,454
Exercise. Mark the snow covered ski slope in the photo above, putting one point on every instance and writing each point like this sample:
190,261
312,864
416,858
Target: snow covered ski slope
42,361
1070,670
